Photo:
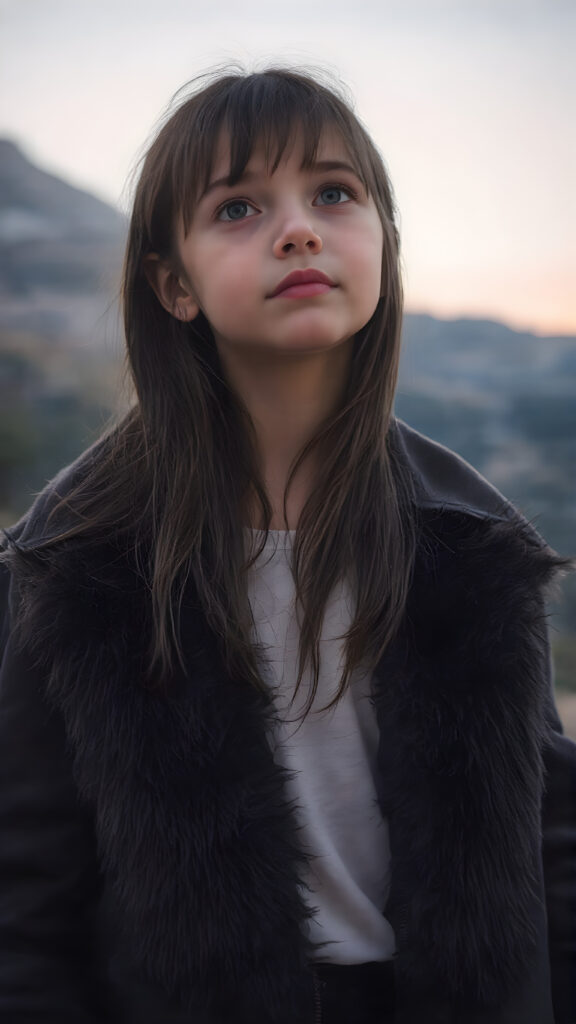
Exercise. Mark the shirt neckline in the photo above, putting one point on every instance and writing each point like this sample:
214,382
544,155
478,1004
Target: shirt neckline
276,538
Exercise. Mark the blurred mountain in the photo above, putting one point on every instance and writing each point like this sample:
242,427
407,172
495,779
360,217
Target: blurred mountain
36,205
484,356
506,401
60,251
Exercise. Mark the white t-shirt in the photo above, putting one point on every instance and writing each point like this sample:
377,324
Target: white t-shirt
332,759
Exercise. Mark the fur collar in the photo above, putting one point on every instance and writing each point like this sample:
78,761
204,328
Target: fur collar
461,708
194,829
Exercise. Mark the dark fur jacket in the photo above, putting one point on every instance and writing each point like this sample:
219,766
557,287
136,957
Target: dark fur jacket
149,858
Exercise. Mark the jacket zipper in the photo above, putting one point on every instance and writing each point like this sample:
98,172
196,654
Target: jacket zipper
317,1000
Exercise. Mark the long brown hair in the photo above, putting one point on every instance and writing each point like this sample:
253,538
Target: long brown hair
175,473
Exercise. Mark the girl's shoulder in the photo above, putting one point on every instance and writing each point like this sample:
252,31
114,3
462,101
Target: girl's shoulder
442,479
47,546
50,516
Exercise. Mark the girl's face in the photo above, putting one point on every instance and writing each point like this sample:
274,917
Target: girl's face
286,262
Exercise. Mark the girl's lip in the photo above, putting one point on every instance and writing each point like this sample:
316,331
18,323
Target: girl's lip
297,278
304,291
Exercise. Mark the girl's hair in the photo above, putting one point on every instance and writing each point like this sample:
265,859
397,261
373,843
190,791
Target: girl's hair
177,471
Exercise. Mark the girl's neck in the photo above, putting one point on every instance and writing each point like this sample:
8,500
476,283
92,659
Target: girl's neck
297,496
289,398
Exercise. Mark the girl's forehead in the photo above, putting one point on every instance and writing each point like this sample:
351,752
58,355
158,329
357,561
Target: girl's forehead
268,154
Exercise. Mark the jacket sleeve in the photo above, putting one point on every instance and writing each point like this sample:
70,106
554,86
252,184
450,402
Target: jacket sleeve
559,858
48,869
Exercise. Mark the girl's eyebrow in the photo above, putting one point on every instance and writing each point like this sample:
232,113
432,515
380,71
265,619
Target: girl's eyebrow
248,176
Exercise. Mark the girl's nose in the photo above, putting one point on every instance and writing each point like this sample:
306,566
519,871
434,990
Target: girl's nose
296,236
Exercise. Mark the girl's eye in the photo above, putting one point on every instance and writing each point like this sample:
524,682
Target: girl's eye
332,195
237,209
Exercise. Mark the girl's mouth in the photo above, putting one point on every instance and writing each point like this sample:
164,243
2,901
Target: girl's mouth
303,284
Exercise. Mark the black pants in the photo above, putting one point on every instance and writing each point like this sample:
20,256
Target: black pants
355,993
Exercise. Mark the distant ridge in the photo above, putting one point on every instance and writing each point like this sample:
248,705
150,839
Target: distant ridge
52,235
63,208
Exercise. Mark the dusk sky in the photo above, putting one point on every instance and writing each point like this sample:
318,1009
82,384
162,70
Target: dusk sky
472,103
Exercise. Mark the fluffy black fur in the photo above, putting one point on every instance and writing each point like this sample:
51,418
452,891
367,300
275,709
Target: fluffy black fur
461,710
197,840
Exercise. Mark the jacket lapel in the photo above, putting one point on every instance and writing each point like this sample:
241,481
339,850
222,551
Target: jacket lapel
195,833
460,702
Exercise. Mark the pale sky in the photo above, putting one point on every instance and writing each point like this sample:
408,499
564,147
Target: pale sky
472,103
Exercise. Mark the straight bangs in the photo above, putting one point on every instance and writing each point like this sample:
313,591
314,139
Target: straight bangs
273,110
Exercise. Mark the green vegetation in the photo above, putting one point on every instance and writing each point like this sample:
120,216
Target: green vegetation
46,417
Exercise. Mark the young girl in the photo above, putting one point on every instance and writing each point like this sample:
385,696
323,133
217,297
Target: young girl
278,738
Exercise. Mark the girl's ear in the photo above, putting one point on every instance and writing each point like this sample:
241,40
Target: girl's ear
173,293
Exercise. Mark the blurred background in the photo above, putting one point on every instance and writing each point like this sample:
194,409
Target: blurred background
472,103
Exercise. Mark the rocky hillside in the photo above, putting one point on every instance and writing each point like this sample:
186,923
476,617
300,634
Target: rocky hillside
60,250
